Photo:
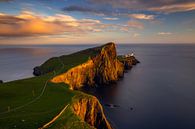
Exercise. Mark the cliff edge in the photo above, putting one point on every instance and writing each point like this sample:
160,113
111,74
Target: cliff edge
90,110
90,67
102,67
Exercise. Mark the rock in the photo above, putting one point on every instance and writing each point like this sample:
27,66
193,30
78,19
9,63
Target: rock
90,110
1,81
37,71
128,61
112,105
103,68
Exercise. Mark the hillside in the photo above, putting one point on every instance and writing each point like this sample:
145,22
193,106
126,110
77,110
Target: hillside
48,100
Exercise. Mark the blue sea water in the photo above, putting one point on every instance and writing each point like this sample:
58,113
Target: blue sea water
158,93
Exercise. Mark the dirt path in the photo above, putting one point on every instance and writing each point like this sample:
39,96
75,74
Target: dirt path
38,97
55,118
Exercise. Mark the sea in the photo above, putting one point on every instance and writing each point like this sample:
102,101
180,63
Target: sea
158,93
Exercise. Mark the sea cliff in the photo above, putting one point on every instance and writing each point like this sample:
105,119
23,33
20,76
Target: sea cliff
90,110
50,100
102,68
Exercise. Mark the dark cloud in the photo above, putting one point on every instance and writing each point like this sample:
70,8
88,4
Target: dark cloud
79,9
94,10
151,5
126,7
6,19
132,4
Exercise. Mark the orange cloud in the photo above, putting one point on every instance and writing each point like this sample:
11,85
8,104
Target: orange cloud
142,16
182,7
164,33
135,24
30,24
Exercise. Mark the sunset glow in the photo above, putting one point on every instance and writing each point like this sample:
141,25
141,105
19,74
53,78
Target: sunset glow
92,21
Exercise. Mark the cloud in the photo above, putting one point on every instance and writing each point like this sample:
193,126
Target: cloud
164,33
110,18
135,35
175,8
31,24
142,16
169,6
125,7
135,24
85,9
79,9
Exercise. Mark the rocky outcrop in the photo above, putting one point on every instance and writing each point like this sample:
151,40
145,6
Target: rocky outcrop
90,110
37,71
101,68
128,61
50,65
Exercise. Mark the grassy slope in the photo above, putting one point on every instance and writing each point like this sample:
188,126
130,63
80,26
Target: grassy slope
69,61
68,120
53,100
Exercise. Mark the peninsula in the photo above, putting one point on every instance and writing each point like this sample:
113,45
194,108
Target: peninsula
53,100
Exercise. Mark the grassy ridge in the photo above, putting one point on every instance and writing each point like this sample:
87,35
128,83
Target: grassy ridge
69,61
40,111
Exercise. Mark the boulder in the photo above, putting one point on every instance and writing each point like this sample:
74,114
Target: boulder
37,71
1,81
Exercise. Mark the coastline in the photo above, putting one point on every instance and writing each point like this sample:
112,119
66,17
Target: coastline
126,62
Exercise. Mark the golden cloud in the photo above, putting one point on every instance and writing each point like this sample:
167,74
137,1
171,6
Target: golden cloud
164,33
111,18
142,16
30,24
182,7
135,24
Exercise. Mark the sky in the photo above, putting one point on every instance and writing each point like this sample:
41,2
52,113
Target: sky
96,21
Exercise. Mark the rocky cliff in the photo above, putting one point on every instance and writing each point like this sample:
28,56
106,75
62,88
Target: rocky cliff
90,110
128,61
101,68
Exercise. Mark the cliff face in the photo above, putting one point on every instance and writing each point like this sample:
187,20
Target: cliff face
91,111
77,76
102,68
107,67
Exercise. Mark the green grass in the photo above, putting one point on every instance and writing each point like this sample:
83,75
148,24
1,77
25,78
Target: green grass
38,110
30,108
33,115
68,120
69,61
